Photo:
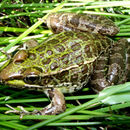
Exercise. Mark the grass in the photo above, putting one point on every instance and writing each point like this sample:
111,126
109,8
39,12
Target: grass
19,22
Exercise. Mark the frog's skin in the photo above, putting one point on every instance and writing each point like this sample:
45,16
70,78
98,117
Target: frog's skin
67,61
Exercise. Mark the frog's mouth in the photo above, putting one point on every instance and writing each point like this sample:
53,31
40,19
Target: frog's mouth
14,77
21,84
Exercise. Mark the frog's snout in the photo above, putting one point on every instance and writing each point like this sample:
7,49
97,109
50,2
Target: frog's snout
9,73
12,70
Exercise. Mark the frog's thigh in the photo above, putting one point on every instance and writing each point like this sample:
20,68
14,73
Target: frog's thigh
57,104
98,79
117,63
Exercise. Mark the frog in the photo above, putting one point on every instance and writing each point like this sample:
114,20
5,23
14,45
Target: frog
80,52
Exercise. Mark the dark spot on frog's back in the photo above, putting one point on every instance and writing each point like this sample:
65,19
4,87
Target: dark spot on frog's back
49,52
87,50
79,60
41,48
105,42
54,66
98,44
42,55
76,46
59,48
65,58
46,61
53,41
63,76
108,41
32,56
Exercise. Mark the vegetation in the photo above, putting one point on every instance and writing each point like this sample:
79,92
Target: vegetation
19,21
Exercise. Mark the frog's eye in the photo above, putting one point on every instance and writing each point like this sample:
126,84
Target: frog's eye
32,79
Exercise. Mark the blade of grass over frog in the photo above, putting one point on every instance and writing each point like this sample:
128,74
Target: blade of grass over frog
106,14
6,40
32,28
12,29
101,96
46,99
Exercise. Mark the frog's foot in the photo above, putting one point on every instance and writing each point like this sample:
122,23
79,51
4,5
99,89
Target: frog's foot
21,113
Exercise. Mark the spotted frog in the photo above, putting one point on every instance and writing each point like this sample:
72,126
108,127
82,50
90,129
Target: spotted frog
78,53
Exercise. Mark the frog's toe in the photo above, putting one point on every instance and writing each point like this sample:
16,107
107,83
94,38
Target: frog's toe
21,113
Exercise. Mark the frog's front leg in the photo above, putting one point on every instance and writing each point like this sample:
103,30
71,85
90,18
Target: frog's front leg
98,79
56,106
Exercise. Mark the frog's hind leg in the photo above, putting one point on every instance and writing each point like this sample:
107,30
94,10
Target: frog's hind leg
98,79
117,63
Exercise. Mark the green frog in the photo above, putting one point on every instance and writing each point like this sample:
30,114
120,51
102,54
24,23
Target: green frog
79,53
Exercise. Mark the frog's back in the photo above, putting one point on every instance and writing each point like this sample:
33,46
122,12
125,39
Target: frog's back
67,59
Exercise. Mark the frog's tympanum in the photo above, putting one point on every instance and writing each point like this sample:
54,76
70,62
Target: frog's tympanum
78,53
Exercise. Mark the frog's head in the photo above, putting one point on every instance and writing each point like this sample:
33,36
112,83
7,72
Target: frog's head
20,71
